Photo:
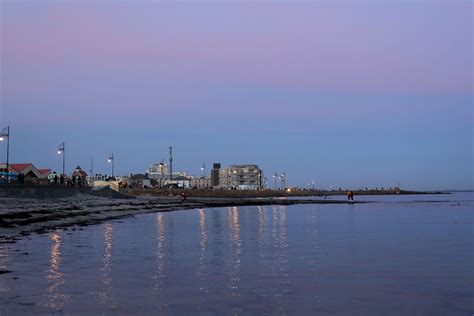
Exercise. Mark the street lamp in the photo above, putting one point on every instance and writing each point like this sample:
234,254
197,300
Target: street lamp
275,177
111,160
6,134
62,151
283,180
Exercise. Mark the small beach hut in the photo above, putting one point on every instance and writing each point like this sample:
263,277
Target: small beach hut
78,172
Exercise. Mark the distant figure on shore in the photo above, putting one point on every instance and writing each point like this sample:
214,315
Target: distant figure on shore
183,197
61,179
350,196
55,179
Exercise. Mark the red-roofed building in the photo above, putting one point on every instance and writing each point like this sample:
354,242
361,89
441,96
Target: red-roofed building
78,172
28,169
45,172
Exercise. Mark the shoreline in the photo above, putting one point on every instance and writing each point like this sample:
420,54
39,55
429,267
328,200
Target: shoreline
29,209
20,217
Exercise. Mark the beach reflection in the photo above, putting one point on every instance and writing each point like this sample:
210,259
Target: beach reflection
202,272
56,298
105,294
235,249
283,247
313,263
314,229
299,259
281,269
261,230
4,262
160,253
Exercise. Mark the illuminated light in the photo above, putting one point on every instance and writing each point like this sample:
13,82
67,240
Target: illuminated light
59,152
109,160
1,139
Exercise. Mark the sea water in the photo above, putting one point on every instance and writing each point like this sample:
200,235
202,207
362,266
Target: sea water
397,255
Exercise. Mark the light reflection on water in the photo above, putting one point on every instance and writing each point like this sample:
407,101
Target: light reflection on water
301,259
235,248
160,254
202,272
56,298
105,295
4,265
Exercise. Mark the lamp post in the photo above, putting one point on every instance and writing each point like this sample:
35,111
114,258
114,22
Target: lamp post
203,170
6,134
283,180
111,160
62,151
275,177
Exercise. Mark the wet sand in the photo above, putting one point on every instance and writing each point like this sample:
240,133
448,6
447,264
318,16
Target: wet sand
21,216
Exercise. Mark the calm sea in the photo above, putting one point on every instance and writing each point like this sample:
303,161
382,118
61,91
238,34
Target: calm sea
400,255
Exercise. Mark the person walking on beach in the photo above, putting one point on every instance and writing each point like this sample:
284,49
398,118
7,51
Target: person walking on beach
183,197
55,179
61,179
350,196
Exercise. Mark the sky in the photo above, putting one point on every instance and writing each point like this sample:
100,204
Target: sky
350,94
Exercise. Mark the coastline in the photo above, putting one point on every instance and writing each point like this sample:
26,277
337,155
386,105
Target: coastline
21,216
27,209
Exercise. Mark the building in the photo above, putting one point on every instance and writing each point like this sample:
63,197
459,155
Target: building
78,172
32,174
238,177
178,182
161,171
97,177
139,181
215,172
201,183
157,171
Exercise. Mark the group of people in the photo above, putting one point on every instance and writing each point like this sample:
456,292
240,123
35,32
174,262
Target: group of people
21,178
74,180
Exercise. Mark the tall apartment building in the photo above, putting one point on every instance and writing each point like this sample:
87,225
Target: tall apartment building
215,173
241,177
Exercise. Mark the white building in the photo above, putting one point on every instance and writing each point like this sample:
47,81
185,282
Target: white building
157,170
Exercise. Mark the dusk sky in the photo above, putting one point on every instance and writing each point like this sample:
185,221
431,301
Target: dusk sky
351,94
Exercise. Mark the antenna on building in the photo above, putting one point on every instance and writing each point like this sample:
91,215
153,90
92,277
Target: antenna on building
92,167
171,162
